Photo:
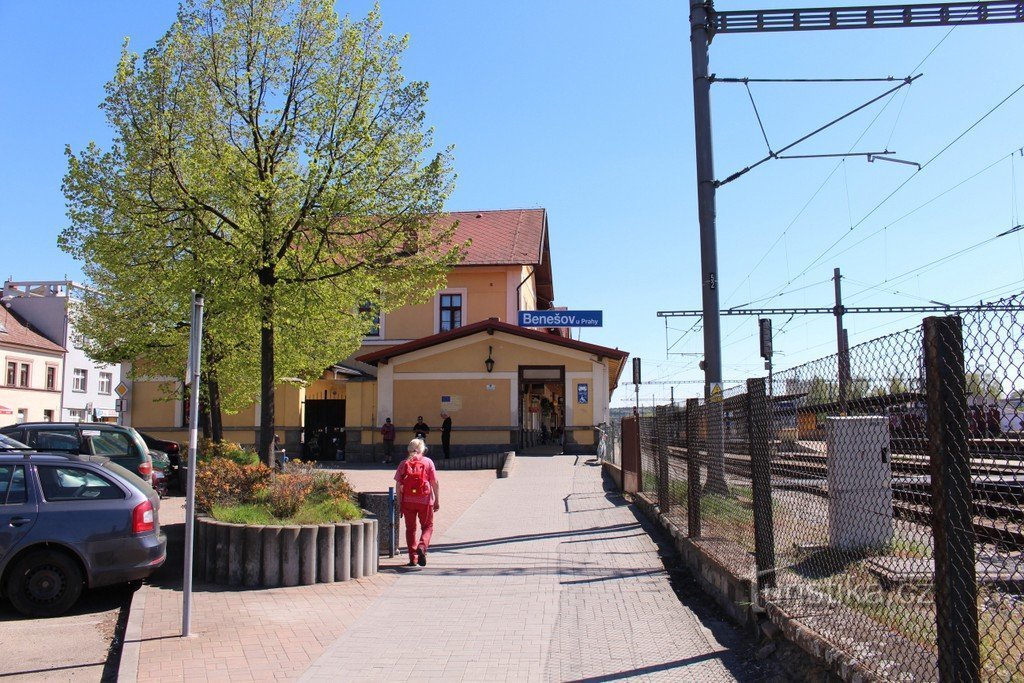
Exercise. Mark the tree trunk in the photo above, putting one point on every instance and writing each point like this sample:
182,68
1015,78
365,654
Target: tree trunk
266,444
216,418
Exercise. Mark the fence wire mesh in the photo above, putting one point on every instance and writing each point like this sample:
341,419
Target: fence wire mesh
874,496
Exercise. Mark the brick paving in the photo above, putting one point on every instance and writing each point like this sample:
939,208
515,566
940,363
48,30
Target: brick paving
545,578
268,634
539,577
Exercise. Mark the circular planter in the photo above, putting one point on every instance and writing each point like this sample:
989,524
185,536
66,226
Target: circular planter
270,556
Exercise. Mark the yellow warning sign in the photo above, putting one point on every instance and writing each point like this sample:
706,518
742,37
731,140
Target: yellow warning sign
716,393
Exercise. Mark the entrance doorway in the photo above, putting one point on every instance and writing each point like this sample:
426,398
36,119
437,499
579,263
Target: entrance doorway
542,405
325,428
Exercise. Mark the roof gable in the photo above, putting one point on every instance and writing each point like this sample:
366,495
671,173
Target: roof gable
16,331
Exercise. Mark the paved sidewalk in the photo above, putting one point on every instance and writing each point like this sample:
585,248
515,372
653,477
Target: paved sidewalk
545,578
540,577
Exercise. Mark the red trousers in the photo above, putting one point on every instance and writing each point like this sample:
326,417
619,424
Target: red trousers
425,512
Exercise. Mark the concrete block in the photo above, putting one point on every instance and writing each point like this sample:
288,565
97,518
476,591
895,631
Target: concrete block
358,531
307,555
290,563
325,553
343,552
271,556
236,553
253,556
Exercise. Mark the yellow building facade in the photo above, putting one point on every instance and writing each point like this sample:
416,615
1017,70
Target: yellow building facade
425,359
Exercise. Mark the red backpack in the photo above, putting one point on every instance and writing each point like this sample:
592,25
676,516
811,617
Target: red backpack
414,483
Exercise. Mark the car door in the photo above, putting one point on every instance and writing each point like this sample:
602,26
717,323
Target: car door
19,510
84,510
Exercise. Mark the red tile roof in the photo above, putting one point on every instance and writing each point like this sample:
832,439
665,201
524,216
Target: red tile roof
17,331
507,236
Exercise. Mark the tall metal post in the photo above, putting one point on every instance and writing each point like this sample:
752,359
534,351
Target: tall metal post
195,352
956,582
700,37
843,351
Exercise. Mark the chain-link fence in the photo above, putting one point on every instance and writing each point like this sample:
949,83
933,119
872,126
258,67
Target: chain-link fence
876,497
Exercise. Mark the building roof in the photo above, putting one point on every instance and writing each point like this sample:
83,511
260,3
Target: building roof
616,357
16,331
507,237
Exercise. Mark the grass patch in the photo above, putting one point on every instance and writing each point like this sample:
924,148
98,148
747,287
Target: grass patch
311,512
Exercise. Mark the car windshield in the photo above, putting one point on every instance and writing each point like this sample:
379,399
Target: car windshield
9,444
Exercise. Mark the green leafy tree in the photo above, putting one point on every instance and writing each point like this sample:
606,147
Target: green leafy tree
983,384
277,157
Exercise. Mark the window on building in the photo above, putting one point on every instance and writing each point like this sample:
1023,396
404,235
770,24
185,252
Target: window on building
76,414
451,311
80,381
22,416
12,372
51,377
106,382
47,416
23,376
365,310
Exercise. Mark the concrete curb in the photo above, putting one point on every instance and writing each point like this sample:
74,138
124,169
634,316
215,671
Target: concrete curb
506,468
128,668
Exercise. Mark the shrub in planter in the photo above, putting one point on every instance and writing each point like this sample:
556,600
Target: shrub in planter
210,450
221,481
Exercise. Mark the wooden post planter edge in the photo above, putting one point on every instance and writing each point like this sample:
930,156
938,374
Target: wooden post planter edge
248,547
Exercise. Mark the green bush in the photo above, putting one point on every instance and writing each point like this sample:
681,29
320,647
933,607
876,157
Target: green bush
210,449
252,494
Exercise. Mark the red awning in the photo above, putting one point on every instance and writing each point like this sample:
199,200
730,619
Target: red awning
4,410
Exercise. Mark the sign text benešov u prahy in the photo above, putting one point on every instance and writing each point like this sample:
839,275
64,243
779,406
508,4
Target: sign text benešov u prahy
560,318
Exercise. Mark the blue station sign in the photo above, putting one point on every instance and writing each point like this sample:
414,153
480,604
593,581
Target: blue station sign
561,318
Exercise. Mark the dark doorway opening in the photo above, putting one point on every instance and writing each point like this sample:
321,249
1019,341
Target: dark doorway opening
542,405
325,429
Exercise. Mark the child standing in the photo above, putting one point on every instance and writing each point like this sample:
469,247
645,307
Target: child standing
418,497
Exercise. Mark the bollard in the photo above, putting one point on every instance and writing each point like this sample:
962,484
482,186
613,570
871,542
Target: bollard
210,551
307,555
370,543
358,531
290,556
343,552
271,569
253,556
223,542
325,553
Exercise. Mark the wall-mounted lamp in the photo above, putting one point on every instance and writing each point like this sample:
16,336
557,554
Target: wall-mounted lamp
489,363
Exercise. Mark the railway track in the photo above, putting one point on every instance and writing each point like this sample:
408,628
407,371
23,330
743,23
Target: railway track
997,486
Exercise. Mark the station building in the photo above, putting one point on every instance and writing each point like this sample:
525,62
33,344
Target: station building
462,353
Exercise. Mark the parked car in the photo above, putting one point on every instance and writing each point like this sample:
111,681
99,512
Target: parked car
123,445
178,463
69,522
161,472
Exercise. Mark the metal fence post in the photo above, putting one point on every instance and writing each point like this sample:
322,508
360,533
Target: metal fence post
956,588
664,499
759,420
692,469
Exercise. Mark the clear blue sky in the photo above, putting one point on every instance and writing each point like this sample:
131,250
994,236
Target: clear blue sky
585,109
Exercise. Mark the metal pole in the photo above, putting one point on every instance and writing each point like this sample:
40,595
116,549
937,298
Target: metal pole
842,351
195,349
700,38
956,583
391,519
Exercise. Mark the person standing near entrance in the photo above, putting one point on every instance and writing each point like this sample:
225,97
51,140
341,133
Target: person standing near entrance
418,497
421,429
387,432
446,435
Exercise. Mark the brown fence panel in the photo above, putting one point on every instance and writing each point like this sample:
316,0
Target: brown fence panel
630,454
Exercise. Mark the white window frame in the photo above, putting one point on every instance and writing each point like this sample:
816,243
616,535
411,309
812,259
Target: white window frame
109,377
437,306
76,386
56,377
11,373
24,371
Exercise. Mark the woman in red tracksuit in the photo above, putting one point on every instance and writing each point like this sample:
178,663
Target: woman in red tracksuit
418,496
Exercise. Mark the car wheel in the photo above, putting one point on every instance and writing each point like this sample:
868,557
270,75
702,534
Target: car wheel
44,583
